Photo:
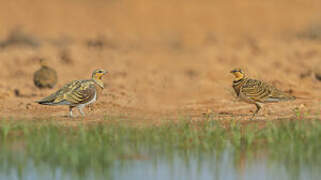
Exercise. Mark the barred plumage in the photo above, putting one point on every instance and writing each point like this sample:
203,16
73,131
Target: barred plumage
45,77
256,92
78,93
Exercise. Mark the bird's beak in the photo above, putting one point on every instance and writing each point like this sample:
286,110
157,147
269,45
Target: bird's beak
233,71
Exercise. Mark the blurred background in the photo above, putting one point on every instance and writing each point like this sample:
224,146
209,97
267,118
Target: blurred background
169,55
193,21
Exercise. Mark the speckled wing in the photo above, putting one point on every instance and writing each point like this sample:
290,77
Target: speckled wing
74,93
252,91
258,91
82,94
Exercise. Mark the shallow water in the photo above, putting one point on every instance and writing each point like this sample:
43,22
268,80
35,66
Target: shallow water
287,151
177,166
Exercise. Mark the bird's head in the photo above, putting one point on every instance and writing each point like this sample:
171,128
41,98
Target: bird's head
43,62
238,73
99,73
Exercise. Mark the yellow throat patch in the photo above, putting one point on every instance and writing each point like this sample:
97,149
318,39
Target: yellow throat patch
238,75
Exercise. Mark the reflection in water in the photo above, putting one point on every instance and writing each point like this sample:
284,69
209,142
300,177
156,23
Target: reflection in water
200,166
288,151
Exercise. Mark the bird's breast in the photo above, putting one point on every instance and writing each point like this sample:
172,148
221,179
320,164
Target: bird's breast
237,86
98,91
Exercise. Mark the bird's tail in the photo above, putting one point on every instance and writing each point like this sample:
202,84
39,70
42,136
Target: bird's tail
281,96
303,98
50,100
289,98
44,102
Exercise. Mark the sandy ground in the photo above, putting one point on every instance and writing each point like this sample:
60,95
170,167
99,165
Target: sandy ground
167,60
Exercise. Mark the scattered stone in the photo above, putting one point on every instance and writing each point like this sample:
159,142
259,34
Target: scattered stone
28,106
290,91
65,56
191,73
318,76
17,92
305,74
100,43
208,114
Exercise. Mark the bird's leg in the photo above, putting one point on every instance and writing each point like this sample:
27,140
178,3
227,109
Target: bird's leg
70,111
81,111
258,107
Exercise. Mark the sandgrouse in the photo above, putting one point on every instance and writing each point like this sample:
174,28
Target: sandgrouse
256,92
77,93
45,77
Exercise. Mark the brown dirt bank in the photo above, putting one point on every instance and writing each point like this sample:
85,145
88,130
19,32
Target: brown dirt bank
167,59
